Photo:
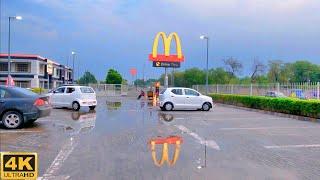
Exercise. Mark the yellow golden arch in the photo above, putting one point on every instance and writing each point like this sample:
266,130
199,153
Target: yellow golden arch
165,154
167,44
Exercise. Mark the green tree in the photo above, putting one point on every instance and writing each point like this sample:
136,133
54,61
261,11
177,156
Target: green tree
304,71
219,76
87,78
194,76
179,80
141,82
278,71
113,77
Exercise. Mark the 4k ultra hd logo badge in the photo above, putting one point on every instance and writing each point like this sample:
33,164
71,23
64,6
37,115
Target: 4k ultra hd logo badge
18,165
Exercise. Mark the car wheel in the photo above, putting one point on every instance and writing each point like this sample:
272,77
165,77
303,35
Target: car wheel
12,120
168,106
75,106
206,107
92,107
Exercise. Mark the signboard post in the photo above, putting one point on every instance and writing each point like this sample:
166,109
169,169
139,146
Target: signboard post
49,71
133,72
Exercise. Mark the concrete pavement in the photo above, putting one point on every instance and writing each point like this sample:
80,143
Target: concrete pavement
113,142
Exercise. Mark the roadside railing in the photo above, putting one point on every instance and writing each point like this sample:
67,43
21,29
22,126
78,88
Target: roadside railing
114,89
308,90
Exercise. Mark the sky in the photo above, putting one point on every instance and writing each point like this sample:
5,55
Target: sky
119,33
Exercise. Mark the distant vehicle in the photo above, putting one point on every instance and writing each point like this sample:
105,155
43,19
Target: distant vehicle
297,93
177,98
73,97
314,94
275,94
19,106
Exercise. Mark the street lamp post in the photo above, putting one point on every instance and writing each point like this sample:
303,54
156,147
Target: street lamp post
73,57
9,46
207,71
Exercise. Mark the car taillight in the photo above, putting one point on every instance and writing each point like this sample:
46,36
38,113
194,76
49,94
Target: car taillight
39,102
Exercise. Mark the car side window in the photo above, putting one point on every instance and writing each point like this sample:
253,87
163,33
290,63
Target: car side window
4,94
70,90
59,90
177,91
190,92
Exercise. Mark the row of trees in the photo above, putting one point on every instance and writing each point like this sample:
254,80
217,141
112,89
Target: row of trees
275,71
113,77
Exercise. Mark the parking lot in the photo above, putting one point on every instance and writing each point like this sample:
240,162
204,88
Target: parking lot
113,142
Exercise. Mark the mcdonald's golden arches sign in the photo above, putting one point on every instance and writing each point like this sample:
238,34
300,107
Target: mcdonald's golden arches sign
167,56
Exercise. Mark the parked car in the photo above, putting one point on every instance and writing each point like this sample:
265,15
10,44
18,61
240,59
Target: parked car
275,94
298,93
314,94
177,98
19,106
72,96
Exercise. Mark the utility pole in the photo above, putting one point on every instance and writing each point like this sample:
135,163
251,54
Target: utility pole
207,66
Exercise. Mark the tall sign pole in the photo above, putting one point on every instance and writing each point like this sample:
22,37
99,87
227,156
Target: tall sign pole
166,83
133,72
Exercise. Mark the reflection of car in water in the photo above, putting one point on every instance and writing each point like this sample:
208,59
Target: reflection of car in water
166,117
113,105
80,122
174,141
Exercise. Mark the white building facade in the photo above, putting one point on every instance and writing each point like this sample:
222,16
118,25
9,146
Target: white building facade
34,71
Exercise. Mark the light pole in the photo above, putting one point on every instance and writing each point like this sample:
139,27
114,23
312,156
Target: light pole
207,71
9,46
73,57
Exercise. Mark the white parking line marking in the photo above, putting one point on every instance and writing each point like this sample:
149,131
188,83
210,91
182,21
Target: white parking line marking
294,146
17,131
55,177
262,128
57,163
210,143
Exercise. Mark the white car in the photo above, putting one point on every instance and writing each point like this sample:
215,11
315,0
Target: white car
74,97
177,98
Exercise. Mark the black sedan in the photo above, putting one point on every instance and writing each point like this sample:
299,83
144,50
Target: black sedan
19,106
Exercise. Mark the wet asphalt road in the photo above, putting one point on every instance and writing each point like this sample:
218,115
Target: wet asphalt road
114,142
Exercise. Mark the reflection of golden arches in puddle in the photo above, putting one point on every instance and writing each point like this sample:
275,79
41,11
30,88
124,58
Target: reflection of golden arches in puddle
165,153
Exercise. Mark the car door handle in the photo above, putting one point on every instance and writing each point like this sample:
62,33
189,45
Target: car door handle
187,97
1,101
172,96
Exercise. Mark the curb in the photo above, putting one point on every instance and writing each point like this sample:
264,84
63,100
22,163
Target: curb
300,118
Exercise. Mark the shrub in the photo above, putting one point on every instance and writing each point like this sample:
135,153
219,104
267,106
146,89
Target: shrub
37,90
308,108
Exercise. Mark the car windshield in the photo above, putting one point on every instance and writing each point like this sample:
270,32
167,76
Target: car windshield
164,90
86,90
22,91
